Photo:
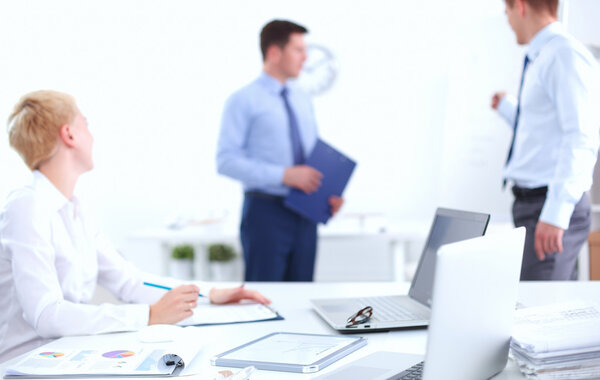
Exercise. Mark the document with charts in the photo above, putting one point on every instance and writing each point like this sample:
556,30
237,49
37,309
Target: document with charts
121,354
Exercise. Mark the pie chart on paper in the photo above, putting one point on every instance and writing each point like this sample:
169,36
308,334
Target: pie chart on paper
119,354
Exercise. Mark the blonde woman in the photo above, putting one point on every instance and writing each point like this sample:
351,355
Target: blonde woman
51,254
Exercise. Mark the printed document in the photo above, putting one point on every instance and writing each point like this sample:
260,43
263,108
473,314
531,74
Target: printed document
121,354
210,314
571,326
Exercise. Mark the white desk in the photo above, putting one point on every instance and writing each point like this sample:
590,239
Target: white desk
292,301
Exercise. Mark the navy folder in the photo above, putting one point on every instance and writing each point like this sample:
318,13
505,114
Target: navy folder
336,169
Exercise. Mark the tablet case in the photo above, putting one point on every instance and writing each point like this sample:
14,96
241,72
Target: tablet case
265,364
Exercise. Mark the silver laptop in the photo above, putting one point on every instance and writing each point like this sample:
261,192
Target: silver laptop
469,335
391,312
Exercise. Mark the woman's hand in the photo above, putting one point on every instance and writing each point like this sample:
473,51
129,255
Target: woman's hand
175,305
232,295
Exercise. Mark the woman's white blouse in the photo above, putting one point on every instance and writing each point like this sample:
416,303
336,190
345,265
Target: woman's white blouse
51,259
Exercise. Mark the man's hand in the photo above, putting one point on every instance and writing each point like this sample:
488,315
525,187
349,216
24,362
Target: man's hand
233,295
302,177
336,203
497,98
175,305
548,239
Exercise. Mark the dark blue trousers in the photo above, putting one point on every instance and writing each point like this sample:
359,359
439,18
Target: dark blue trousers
278,244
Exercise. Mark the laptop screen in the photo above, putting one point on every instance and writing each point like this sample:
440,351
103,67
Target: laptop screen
449,226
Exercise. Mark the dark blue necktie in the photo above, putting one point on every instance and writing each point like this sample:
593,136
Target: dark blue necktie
512,143
294,131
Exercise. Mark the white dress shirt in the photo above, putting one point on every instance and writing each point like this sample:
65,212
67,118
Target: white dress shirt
557,136
51,259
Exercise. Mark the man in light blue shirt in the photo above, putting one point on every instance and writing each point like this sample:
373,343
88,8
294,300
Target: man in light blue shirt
556,120
268,129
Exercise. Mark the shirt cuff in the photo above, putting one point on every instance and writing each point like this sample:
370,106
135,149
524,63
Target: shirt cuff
557,213
275,175
507,108
205,288
206,292
140,315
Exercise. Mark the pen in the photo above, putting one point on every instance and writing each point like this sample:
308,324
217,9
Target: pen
165,287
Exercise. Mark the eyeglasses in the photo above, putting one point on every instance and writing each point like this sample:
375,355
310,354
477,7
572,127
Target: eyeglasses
361,316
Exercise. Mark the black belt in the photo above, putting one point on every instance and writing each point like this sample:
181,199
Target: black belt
523,192
259,194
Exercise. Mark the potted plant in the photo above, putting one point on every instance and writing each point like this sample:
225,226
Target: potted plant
181,264
220,257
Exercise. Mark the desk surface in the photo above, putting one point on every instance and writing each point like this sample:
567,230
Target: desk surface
292,301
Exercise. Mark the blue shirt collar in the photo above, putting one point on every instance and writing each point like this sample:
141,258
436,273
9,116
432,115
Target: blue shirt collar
273,85
542,37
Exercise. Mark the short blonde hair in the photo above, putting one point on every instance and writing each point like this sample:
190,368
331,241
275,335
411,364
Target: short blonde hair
35,122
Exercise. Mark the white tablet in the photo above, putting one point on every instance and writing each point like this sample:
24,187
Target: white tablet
290,352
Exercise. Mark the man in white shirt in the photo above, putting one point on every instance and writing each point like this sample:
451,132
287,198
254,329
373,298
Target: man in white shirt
51,254
555,121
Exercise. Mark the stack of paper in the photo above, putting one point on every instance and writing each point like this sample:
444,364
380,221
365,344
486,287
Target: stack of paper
559,341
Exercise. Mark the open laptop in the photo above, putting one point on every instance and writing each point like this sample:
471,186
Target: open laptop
469,335
391,312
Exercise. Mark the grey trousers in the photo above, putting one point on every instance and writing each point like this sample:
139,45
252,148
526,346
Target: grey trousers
556,266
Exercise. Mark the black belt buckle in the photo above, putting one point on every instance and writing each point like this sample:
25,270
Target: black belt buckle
259,194
523,192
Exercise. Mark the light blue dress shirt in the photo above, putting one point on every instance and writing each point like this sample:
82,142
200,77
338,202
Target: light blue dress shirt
254,144
558,132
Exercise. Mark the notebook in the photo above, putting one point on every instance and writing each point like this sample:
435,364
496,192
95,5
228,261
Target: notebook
336,169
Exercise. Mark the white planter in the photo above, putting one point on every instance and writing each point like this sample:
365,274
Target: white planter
223,271
182,269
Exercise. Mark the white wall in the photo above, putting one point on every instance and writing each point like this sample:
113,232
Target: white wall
411,104
581,18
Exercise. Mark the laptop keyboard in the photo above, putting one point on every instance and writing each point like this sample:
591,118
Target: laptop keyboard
413,373
387,309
